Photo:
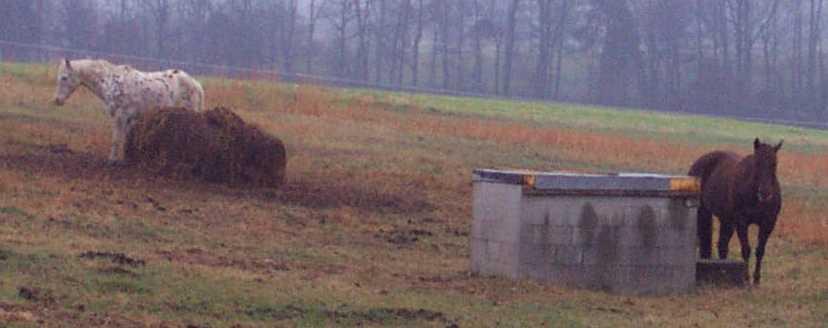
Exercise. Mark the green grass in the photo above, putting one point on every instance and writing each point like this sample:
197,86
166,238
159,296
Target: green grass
696,129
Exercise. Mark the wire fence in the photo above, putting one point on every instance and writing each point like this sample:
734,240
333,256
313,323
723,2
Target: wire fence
26,52
11,51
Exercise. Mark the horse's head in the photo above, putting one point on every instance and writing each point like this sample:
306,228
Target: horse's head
767,186
68,81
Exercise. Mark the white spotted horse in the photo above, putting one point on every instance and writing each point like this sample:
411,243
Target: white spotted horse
127,92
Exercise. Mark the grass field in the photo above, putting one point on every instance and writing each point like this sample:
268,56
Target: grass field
372,226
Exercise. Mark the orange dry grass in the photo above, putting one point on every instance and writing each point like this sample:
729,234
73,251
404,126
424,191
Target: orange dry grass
614,150
314,101
573,145
803,221
251,95
803,169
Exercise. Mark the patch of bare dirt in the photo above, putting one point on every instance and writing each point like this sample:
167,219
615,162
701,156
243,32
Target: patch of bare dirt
403,237
17,313
116,270
461,281
117,258
200,257
60,161
384,315
345,315
334,194
36,295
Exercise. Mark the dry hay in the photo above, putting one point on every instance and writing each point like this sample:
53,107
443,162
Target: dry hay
215,145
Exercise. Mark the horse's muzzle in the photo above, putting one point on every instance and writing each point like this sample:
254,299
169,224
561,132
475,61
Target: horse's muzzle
58,102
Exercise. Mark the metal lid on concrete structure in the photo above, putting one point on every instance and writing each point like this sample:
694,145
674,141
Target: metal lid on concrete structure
620,184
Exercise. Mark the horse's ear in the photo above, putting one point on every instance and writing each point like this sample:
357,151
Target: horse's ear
68,63
756,143
776,148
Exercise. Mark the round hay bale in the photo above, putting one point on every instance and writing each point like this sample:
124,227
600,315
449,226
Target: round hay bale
215,145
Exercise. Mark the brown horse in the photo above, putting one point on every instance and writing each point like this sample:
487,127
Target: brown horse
740,192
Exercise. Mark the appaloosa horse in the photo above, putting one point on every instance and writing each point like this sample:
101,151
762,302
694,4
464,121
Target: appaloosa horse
126,92
740,191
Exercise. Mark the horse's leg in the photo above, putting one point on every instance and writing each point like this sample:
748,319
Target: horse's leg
742,232
705,232
119,128
116,134
764,233
725,234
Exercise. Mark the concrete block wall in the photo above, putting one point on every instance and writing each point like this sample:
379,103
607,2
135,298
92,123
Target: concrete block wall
494,237
620,244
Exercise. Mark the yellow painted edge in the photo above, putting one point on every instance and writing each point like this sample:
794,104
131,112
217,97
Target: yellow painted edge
529,181
689,184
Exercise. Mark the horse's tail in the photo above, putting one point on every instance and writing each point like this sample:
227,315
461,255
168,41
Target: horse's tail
194,91
703,167
198,102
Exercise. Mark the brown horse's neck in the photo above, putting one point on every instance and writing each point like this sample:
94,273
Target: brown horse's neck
747,175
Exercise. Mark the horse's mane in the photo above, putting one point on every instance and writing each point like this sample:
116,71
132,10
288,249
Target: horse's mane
92,68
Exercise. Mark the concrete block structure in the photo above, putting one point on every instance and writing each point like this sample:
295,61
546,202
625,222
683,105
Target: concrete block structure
622,233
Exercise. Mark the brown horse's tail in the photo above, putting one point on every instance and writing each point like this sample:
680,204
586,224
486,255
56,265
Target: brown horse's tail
703,167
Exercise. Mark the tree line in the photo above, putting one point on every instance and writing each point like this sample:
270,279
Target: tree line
741,57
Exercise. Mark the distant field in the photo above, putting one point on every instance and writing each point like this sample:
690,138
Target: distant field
371,228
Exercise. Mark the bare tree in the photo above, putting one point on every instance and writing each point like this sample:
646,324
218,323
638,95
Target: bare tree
315,7
665,26
814,36
415,47
196,14
460,29
380,42
483,29
498,37
560,35
80,22
161,11
620,60
445,27
341,20
797,70
401,36
545,41
510,46
289,35
20,22
435,39
362,10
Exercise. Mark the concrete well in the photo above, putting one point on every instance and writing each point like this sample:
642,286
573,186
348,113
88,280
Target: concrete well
622,233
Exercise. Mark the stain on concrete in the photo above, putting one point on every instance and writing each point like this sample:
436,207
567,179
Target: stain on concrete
589,218
544,230
587,224
607,252
679,214
648,227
